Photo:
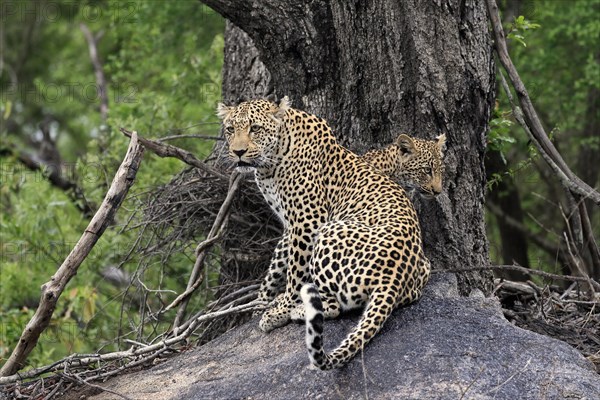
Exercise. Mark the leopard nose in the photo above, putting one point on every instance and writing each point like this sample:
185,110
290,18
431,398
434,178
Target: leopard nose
240,153
436,186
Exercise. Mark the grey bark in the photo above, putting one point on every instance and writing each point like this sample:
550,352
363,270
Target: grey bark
374,70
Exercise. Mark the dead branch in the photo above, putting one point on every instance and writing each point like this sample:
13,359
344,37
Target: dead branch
82,361
50,395
190,136
530,118
54,176
576,263
519,268
578,221
76,379
234,295
224,302
555,312
167,150
196,277
590,239
92,41
52,290
173,218
514,286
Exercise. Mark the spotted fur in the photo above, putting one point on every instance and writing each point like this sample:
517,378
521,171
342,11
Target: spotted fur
349,230
414,163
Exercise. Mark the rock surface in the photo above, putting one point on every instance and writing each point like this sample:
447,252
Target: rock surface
443,347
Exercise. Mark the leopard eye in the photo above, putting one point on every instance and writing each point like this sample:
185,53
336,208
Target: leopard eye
428,171
230,129
255,128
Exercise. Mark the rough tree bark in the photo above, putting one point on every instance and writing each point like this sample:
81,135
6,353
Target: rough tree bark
374,70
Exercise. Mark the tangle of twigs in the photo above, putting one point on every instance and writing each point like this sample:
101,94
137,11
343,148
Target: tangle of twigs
86,368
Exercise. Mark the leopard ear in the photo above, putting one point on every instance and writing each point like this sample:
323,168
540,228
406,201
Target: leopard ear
223,111
406,144
441,142
284,105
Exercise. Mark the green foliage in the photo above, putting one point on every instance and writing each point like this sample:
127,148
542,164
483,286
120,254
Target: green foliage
518,29
561,63
560,66
499,135
162,62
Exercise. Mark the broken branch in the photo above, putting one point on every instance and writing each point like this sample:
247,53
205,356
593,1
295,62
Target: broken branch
167,150
548,275
54,176
52,290
84,360
214,234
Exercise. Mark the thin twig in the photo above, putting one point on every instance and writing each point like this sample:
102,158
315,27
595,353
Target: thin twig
215,232
50,395
54,176
364,371
193,136
234,295
512,376
92,42
576,262
76,379
167,150
231,298
526,270
470,385
84,360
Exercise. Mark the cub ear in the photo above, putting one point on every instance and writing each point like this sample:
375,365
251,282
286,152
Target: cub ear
284,105
406,144
441,142
223,111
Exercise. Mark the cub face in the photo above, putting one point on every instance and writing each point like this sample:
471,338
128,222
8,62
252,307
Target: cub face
422,164
253,132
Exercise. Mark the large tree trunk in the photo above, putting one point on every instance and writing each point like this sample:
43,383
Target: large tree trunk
373,70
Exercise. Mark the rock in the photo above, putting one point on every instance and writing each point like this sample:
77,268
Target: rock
443,347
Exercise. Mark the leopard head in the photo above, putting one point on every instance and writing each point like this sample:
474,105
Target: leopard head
253,132
421,164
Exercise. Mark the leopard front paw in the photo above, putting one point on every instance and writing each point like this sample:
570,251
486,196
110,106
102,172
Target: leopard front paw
274,318
271,300
297,314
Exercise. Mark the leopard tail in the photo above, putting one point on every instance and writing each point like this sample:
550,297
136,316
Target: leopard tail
376,313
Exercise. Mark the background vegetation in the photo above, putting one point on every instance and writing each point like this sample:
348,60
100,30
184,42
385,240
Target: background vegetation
555,47
162,63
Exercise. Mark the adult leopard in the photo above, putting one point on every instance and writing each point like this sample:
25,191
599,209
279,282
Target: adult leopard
351,236
416,164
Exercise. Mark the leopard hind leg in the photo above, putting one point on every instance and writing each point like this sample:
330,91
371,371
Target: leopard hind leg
379,307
